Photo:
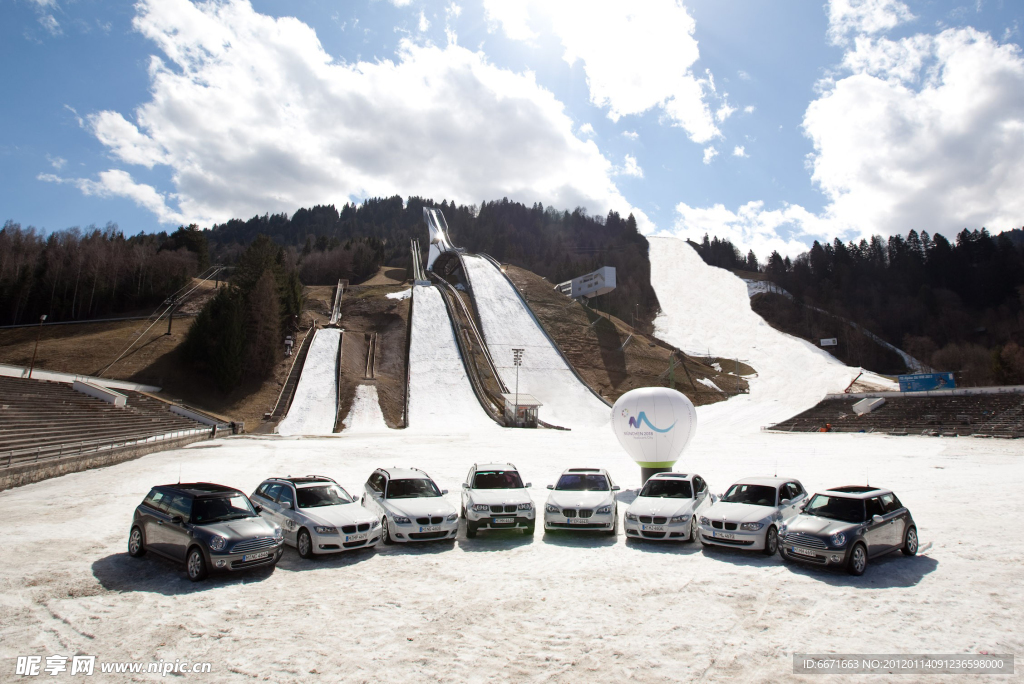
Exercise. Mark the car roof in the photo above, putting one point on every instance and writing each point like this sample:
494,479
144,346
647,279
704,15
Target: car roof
673,476
596,471
404,473
858,491
201,490
304,480
768,481
495,466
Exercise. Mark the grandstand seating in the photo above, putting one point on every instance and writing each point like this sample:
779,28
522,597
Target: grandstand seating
983,415
41,420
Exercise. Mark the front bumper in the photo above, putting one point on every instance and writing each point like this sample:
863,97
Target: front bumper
737,538
668,531
336,543
812,556
501,521
415,532
233,562
597,521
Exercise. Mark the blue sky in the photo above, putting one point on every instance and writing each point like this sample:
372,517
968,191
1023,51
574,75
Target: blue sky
772,124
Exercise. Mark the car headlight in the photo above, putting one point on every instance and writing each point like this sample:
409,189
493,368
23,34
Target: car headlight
326,530
528,506
453,516
782,530
679,518
402,520
751,527
480,507
374,524
604,510
704,520
278,533
631,516
217,543
551,508
838,539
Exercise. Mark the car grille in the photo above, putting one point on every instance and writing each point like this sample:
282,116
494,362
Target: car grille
731,542
718,524
587,526
254,544
657,520
504,509
654,535
807,540
238,565
436,520
362,527
582,513
349,529
352,545
427,535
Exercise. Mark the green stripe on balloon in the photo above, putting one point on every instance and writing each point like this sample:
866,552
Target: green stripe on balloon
656,464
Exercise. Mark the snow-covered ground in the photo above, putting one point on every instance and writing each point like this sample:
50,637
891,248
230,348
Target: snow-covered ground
440,393
365,414
508,324
315,406
565,607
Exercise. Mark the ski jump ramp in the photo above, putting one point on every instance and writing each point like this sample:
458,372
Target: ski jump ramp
441,398
508,324
315,406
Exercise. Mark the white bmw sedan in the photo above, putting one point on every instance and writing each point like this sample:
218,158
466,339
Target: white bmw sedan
667,507
749,514
583,499
316,514
410,506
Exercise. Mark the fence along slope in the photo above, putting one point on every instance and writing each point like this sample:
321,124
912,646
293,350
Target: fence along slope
507,324
441,398
314,409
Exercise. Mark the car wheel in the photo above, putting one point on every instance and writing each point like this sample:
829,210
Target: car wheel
693,530
136,547
910,542
462,513
615,523
304,544
530,527
385,531
470,530
771,541
858,562
196,565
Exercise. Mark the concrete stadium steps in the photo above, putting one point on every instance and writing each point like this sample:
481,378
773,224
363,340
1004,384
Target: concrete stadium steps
984,415
41,419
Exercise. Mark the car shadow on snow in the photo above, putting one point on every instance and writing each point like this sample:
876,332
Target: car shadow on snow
659,546
494,540
588,539
291,561
891,571
155,574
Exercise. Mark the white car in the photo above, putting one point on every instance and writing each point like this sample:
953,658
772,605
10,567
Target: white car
410,506
667,507
495,498
316,514
583,499
749,514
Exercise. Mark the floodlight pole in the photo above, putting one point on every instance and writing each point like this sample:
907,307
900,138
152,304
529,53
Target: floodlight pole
39,330
517,359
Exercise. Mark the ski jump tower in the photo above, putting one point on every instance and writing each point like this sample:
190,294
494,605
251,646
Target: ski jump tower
439,240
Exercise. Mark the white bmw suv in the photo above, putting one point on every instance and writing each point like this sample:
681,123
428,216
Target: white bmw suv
495,498
749,514
583,499
667,507
410,506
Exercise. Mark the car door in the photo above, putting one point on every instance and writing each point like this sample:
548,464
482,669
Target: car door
261,497
701,498
467,501
175,530
270,505
157,536
896,516
375,493
878,533
290,520
795,495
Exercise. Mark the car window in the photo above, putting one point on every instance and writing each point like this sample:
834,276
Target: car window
759,495
497,479
376,482
273,491
222,508
263,490
180,505
896,501
322,495
156,500
578,482
836,508
700,484
792,491
874,506
412,488
285,496
667,489
797,489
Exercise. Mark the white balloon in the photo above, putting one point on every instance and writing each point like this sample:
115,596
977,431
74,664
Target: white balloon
654,425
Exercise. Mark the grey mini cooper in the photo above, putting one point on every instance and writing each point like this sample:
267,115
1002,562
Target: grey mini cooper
847,526
209,527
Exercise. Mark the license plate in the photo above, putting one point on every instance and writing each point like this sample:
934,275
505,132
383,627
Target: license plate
577,521
802,552
355,537
503,521
723,535
430,528
652,528
255,556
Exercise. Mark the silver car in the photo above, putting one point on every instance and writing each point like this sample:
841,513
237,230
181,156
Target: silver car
317,515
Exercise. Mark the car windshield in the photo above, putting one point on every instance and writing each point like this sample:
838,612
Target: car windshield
322,495
836,507
411,489
497,479
668,489
221,508
579,482
759,495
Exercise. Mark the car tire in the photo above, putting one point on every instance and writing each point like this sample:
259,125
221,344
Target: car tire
771,541
529,529
858,561
385,532
910,542
304,543
785,556
462,513
136,544
614,532
692,537
470,530
195,564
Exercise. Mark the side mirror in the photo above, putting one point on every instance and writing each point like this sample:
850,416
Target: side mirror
259,509
785,502
177,520
551,486
877,519
803,505
616,488
288,504
527,485
443,492
465,485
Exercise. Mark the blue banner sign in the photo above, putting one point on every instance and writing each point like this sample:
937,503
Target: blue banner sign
925,382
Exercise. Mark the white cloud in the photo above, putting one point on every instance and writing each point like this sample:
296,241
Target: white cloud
739,151
118,183
636,56
49,23
424,24
750,227
586,130
744,76
864,17
401,3
56,162
749,109
630,168
252,115
724,112
709,153
632,135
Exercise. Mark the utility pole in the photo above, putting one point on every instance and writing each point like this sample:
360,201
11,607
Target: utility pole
517,359
170,318
39,330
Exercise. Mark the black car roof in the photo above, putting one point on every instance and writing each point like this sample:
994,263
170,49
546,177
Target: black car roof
201,490
308,479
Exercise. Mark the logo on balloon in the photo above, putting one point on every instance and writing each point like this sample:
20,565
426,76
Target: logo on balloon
642,418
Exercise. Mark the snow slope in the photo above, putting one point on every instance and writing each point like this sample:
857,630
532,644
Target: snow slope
314,408
508,324
365,415
441,398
